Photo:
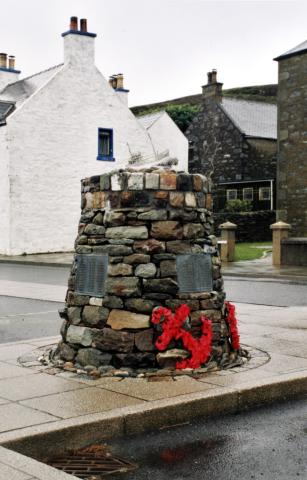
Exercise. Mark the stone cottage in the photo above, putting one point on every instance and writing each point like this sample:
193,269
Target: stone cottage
234,141
292,139
56,127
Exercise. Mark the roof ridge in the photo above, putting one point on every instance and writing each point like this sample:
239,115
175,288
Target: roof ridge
247,100
33,75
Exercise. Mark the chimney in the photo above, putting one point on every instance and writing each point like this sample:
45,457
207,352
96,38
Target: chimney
213,89
117,83
79,45
8,73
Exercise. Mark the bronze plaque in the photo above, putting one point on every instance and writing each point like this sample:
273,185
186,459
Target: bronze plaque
194,272
91,274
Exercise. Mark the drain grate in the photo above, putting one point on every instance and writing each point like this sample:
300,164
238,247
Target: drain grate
92,463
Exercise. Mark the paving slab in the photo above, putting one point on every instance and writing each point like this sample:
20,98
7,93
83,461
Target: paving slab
10,473
12,371
35,291
80,402
14,416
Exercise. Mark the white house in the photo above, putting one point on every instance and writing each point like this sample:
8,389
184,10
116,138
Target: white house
56,127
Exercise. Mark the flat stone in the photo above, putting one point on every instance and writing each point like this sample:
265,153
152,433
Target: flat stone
119,319
92,356
74,315
175,303
159,257
110,340
66,352
88,200
183,215
168,180
190,200
177,247
168,268
113,219
117,182
120,269
93,315
97,302
137,258
123,286
105,183
166,230
146,270
136,181
116,259
214,315
153,215
127,232
140,305
176,199
98,219
149,246
113,302
93,229
120,241
169,358
99,200
197,182
184,182
144,341
161,285
80,335
193,230
134,360
74,299
159,297
161,199
127,199
114,250
152,181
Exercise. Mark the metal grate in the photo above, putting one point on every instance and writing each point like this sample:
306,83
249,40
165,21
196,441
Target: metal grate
91,274
92,463
194,272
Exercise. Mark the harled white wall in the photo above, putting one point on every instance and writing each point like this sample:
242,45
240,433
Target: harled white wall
4,193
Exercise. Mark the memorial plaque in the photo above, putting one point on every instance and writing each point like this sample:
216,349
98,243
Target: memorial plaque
91,274
194,272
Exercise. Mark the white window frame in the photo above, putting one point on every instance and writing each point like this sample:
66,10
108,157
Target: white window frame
261,191
228,194
250,189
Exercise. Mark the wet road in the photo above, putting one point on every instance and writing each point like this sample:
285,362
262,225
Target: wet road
269,443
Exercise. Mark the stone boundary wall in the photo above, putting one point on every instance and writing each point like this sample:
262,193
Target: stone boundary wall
252,226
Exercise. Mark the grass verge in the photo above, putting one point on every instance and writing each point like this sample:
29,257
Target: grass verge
251,251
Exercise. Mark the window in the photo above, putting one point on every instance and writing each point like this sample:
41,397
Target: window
105,144
232,194
248,194
264,193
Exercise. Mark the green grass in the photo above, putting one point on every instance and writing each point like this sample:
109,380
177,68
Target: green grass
251,251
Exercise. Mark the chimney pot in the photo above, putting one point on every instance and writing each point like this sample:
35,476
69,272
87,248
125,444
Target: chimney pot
209,78
120,81
3,60
214,76
73,23
12,62
83,25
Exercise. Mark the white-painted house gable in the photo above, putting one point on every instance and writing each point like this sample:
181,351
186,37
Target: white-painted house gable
50,126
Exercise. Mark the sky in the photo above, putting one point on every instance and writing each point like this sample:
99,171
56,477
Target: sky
164,47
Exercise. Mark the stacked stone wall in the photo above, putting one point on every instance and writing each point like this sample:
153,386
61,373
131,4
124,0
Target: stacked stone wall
251,226
142,220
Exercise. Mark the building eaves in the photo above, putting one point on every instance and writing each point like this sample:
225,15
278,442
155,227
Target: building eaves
148,120
298,50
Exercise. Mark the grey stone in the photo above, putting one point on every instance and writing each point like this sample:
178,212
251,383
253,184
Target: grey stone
123,286
112,219
93,315
92,356
80,335
153,215
82,240
105,183
166,230
152,181
113,302
193,230
98,219
73,299
121,241
185,215
137,258
136,181
134,360
169,358
146,270
149,246
66,352
120,269
121,319
140,305
114,340
161,285
144,341
74,315
93,229
168,268
114,250
138,232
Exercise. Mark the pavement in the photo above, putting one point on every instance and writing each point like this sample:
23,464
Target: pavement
44,410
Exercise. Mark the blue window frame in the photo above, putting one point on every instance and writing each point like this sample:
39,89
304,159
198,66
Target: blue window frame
105,144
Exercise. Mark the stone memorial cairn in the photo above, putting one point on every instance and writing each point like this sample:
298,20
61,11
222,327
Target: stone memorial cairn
143,242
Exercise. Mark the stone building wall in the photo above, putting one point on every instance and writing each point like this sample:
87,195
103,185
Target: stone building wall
292,140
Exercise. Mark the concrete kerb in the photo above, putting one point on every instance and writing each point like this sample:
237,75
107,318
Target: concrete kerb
50,439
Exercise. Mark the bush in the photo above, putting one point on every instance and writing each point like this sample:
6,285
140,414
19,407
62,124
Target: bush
182,115
238,206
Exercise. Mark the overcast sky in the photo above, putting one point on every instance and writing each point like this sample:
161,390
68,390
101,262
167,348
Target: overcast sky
163,47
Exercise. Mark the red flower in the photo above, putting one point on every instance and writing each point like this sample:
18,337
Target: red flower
233,325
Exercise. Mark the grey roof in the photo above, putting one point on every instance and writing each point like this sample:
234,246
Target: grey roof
5,109
254,119
298,50
148,120
19,91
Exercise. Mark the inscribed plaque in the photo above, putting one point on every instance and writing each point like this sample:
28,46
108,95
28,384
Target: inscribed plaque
91,274
194,272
